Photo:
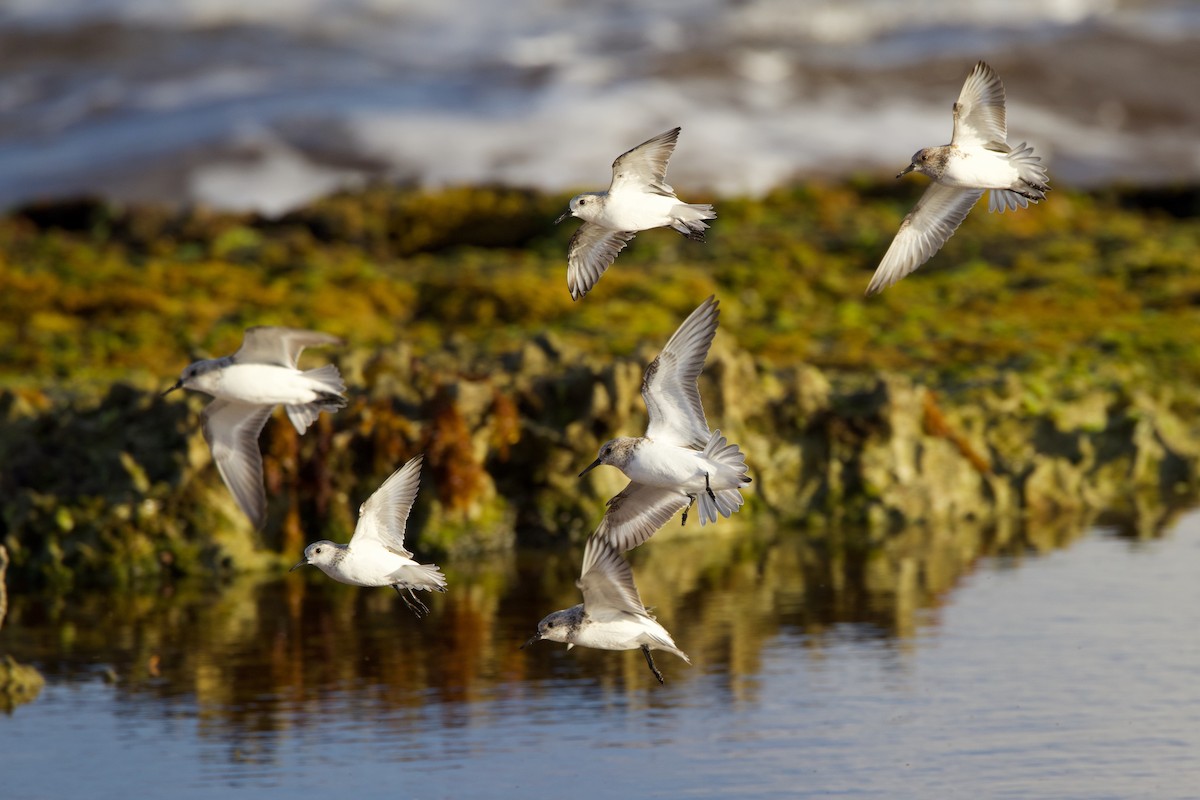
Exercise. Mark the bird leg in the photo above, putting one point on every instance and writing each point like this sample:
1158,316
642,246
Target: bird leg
650,662
708,488
414,605
691,501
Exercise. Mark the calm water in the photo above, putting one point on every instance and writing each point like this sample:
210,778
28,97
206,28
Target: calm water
1061,665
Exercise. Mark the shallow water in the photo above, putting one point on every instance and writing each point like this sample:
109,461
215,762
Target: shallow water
1061,665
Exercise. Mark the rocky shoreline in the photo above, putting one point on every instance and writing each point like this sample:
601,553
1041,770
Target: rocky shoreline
504,440
1056,378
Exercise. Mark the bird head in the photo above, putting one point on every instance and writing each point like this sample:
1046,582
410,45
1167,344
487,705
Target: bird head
555,627
193,375
920,161
583,206
615,453
318,554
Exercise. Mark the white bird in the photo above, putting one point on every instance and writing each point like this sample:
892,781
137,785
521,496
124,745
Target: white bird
638,199
678,461
376,555
611,616
977,159
246,387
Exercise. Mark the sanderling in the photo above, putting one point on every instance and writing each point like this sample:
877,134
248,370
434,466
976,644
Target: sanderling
611,616
678,453
376,555
246,387
638,199
977,159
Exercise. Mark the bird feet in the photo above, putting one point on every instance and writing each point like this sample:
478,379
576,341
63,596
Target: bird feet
691,502
414,604
708,488
650,662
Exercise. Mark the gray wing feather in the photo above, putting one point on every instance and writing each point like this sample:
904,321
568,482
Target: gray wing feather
268,344
933,220
590,252
669,387
607,582
384,517
636,514
644,168
979,117
232,430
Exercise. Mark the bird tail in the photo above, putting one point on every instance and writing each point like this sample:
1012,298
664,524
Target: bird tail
1032,183
421,576
688,219
329,397
728,459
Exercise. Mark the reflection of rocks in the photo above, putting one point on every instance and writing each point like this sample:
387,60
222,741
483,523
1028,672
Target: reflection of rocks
125,487
18,684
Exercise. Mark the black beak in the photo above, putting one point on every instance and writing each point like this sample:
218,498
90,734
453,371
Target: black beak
906,170
537,637
302,563
590,467
178,385
563,216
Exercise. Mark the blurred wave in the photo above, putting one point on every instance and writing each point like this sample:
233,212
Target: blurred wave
265,105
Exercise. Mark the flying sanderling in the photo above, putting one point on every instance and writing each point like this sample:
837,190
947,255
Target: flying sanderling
678,455
611,616
638,199
376,555
246,387
977,159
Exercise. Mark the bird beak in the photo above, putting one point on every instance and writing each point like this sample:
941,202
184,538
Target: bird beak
303,562
178,385
590,467
563,216
906,170
535,638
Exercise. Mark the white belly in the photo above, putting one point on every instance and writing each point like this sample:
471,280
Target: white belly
977,168
265,384
667,467
637,211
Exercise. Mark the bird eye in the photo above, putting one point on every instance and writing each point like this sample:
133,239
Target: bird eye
317,550
583,202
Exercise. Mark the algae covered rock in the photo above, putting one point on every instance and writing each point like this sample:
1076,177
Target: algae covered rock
19,683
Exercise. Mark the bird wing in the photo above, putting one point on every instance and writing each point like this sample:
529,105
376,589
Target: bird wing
636,514
267,344
932,221
231,429
669,386
979,112
644,168
607,582
590,252
383,517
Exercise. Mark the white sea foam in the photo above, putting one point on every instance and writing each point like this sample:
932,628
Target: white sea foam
333,92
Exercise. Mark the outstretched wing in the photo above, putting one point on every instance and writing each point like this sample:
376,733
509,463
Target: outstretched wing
644,168
979,112
932,221
267,344
231,429
669,386
636,514
383,517
590,252
607,582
